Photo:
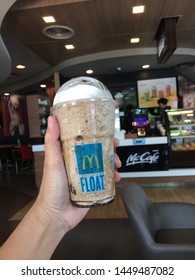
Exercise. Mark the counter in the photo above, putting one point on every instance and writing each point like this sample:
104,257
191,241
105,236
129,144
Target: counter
38,148
143,154
38,151
144,172
170,175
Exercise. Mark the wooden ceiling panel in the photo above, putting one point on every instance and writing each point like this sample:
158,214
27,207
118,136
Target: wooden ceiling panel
185,39
99,25
94,20
31,4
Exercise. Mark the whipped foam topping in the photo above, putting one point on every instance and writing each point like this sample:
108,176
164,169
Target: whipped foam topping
81,88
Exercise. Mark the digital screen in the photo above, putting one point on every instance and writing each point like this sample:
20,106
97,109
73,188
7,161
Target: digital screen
140,121
149,91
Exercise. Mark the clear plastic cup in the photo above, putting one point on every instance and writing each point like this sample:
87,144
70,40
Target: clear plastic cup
85,111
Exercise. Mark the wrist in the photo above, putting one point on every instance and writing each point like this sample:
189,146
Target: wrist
49,218
48,231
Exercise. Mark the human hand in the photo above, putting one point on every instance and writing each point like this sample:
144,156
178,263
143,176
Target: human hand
54,194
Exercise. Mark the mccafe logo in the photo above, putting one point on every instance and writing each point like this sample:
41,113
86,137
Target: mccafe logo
147,157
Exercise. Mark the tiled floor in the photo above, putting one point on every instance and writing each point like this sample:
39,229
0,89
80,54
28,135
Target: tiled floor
106,230
16,191
104,234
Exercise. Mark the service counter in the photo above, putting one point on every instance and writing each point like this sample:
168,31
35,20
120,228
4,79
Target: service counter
147,160
38,151
143,154
144,160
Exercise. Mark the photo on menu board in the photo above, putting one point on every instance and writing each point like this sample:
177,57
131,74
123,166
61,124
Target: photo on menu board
189,100
149,91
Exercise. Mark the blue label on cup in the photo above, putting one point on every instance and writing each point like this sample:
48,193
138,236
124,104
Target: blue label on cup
90,165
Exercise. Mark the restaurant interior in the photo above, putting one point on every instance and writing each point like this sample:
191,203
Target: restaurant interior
140,56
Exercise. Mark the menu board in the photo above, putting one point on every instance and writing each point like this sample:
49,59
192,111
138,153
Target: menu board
149,91
125,96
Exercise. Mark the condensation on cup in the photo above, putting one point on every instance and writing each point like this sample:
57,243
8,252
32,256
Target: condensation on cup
85,111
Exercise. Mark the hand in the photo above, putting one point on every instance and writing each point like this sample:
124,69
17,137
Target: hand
54,195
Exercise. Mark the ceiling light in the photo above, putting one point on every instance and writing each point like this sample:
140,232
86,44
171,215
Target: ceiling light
69,47
6,93
145,66
20,66
49,19
138,9
90,71
43,86
135,40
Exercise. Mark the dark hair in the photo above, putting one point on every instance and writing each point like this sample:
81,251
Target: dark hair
162,101
130,107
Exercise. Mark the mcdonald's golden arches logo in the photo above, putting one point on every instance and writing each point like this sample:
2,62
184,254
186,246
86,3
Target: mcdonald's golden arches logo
89,158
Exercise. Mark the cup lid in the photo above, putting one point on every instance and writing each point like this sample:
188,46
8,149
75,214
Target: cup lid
81,88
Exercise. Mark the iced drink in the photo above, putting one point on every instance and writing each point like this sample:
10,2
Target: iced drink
85,111
147,95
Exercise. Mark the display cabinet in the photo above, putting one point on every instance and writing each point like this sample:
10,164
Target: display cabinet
182,130
38,106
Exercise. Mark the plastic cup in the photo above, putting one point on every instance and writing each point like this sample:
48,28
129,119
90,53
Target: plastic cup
85,111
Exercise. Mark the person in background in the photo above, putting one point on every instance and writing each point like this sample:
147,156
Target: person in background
52,215
128,118
16,116
162,103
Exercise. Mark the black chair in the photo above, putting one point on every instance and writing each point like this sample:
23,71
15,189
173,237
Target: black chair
3,158
17,158
165,231
7,159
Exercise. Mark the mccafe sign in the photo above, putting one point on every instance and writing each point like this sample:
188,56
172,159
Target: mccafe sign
143,158
146,158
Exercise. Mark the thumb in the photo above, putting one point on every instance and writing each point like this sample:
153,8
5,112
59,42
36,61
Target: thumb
53,155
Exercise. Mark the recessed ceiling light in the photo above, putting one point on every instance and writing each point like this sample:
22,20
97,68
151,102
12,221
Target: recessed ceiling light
49,19
6,93
20,66
43,86
134,40
146,66
89,71
138,9
69,47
